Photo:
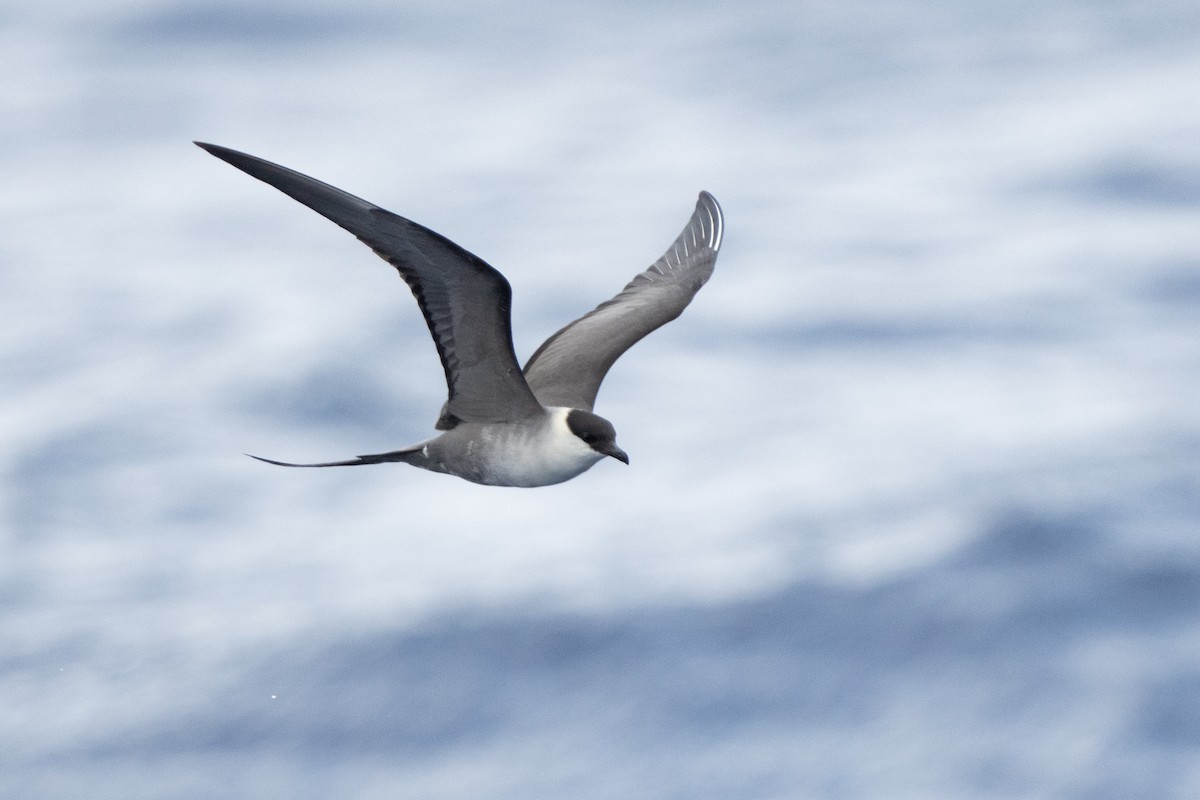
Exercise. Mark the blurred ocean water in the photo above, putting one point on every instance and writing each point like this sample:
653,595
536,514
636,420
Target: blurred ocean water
914,502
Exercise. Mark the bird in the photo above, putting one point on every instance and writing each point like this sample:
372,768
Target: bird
504,425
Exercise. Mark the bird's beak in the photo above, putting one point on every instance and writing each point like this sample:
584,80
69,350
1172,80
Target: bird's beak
616,452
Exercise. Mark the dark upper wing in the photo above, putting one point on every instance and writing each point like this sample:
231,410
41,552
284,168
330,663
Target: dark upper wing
466,303
568,368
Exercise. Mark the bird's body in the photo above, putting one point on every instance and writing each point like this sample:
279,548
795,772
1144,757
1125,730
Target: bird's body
541,454
504,426
537,452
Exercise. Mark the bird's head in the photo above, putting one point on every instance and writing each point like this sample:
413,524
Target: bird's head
596,432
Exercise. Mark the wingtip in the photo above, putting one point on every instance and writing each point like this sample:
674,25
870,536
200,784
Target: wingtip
223,153
716,217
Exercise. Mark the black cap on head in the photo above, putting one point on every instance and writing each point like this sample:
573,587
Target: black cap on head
597,432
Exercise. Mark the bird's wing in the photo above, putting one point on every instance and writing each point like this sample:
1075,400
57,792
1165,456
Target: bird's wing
568,368
465,301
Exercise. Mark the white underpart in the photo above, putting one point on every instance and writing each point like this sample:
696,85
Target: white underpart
553,455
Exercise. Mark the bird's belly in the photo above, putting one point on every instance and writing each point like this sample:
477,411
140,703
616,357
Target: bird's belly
538,467
514,461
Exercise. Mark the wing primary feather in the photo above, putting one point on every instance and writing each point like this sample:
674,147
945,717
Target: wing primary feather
466,303
569,366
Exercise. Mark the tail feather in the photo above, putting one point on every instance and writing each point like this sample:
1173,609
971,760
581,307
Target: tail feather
410,455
